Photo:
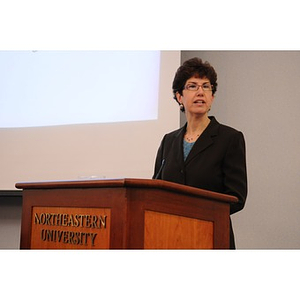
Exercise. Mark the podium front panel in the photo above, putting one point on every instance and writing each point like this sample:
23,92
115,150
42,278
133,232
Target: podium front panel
161,220
167,231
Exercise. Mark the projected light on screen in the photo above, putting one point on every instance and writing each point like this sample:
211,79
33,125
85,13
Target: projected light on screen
46,88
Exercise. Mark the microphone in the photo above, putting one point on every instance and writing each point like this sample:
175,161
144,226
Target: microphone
160,169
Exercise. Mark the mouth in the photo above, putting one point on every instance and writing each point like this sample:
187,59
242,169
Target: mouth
199,102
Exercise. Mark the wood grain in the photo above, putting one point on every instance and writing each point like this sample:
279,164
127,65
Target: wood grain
166,231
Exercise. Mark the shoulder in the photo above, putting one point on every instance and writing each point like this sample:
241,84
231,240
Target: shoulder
175,133
222,129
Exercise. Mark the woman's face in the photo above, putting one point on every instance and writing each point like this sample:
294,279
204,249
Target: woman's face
196,101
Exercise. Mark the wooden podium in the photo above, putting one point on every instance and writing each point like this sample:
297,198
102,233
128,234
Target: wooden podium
123,214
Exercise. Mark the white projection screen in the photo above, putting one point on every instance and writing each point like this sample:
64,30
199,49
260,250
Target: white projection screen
69,115
45,88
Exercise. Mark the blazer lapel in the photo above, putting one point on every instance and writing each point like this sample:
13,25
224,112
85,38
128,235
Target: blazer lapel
205,140
177,145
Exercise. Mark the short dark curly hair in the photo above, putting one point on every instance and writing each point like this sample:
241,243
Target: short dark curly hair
194,67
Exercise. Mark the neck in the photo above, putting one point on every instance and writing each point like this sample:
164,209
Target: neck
195,128
195,125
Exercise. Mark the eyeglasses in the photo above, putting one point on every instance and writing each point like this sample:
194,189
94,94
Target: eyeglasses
195,87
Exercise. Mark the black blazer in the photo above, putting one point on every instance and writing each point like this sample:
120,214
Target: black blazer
217,162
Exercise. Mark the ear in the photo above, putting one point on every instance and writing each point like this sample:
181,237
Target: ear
178,97
212,101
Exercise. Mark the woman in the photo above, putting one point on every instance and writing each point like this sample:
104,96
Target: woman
203,153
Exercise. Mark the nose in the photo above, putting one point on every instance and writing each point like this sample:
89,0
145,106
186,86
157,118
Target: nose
200,90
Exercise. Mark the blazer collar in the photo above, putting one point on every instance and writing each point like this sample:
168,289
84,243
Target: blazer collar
204,141
177,146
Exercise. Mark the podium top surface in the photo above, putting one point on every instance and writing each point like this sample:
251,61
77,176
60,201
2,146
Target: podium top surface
127,183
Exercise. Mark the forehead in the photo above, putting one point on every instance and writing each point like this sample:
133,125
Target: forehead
198,80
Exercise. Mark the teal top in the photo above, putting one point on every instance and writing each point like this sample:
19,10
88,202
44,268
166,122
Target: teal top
187,147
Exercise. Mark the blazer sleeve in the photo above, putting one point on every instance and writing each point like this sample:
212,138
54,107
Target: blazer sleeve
159,161
235,173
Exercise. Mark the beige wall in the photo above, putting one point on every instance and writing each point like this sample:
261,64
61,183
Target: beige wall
259,94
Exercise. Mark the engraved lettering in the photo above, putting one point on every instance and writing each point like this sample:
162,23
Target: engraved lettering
78,237
60,233
85,238
71,221
80,220
54,235
65,237
59,216
62,224
102,221
42,218
88,220
71,236
43,237
76,222
36,219
47,219
49,235
93,236
68,237
65,220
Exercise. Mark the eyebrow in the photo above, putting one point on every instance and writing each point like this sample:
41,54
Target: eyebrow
197,83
